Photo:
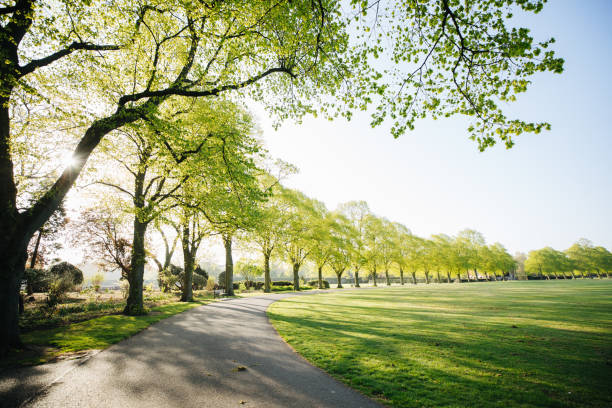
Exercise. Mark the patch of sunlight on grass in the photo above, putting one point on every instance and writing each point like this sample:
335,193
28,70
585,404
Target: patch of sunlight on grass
497,344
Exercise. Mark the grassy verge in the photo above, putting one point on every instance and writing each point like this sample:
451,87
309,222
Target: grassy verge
498,344
98,333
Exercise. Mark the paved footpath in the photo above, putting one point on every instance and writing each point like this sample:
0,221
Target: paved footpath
225,354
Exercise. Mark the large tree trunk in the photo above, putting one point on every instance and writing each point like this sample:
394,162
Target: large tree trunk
438,277
339,276
401,276
13,254
134,304
229,265
458,277
374,277
414,281
467,272
357,278
267,282
448,275
427,277
296,276
387,277
320,276
188,265
476,274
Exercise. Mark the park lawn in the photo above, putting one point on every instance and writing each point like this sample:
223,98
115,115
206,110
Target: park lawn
93,334
495,344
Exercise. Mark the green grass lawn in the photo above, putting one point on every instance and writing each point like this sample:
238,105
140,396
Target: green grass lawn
496,344
97,333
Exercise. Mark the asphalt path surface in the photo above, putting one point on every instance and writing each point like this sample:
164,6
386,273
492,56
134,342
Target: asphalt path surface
225,354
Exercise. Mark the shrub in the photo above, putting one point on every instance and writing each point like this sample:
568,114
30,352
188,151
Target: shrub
57,293
96,281
199,281
170,278
242,287
37,280
68,272
125,288
210,284
282,283
221,280
315,284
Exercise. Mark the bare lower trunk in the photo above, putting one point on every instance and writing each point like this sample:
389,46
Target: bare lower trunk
448,275
320,277
296,276
188,265
427,277
339,276
134,304
468,275
458,277
438,277
267,282
401,276
374,277
387,277
229,265
414,281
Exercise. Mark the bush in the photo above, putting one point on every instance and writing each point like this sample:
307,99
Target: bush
125,288
37,280
170,278
210,284
57,293
221,280
96,281
282,283
315,284
68,272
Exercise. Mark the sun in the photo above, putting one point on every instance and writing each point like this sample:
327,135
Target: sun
69,161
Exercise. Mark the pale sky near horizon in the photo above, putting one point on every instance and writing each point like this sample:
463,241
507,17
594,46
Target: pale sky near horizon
550,189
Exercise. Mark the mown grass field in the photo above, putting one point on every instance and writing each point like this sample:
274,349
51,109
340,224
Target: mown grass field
496,344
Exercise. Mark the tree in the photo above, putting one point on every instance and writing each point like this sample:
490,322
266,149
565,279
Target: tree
442,255
267,234
341,234
401,248
248,271
546,261
373,244
356,212
322,242
297,236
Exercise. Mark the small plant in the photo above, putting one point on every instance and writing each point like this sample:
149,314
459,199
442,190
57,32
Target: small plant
96,281
149,288
125,288
210,284
57,293
242,287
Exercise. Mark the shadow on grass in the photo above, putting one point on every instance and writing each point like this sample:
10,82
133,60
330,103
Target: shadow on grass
504,345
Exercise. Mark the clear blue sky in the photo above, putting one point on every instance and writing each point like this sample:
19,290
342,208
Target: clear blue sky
550,189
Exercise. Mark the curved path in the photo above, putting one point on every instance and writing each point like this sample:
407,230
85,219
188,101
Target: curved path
225,354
